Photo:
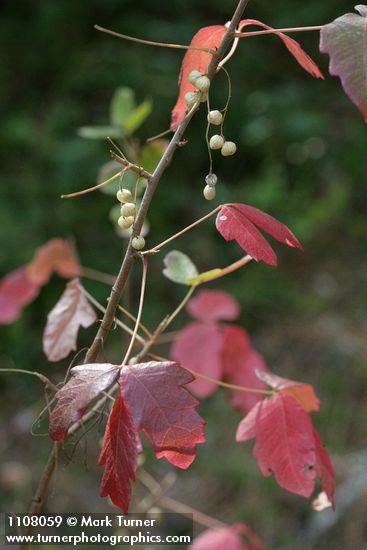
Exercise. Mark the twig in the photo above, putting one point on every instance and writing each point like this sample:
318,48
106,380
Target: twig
40,376
151,42
140,311
97,275
230,386
274,31
130,166
94,188
133,318
157,247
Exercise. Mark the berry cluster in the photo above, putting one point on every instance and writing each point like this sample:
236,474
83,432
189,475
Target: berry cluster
127,218
215,118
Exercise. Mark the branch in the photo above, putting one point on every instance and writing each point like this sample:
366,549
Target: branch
130,255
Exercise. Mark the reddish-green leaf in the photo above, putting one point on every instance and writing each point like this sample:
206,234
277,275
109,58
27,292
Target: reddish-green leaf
240,363
213,305
16,291
206,38
119,456
71,312
236,222
58,256
293,47
198,347
163,409
325,469
86,383
345,40
303,393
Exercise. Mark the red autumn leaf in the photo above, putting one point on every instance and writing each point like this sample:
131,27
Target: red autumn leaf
16,291
63,322
163,409
236,222
206,38
325,469
292,45
57,255
303,393
198,347
119,456
213,305
86,383
344,40
240,362
285,444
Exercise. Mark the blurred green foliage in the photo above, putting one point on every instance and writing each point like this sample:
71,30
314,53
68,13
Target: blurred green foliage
301,157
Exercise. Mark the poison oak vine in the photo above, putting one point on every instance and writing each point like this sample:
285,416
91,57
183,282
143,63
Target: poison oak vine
149,393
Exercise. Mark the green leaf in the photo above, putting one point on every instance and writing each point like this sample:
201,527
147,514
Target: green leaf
122,105
151,154
179,268
137,117
99,132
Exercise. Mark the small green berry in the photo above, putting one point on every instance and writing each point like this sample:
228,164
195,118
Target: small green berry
229,148
133,361
128,209
125,222
193,76
216,142
215,117
209,192
202,83
138,242
123,195
191,98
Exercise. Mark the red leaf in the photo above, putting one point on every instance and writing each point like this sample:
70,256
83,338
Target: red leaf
207,37
119,456
247,427
219,539
345,41
16,291
213,305
285,443
163,409
63,322
303,393
56,255
236,222
240,362
227,538
71,401
198,347
325,469
292,45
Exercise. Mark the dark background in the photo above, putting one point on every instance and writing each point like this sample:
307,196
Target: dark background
301,157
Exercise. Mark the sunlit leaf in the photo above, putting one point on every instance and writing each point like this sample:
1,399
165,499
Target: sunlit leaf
122,105
179,267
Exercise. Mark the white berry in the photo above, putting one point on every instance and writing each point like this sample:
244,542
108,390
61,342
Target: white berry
211,179
216,142
229,148
138,242
194,75
203,97
125,222
128,209
202,83
209,192
124,195
215,117
191,98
